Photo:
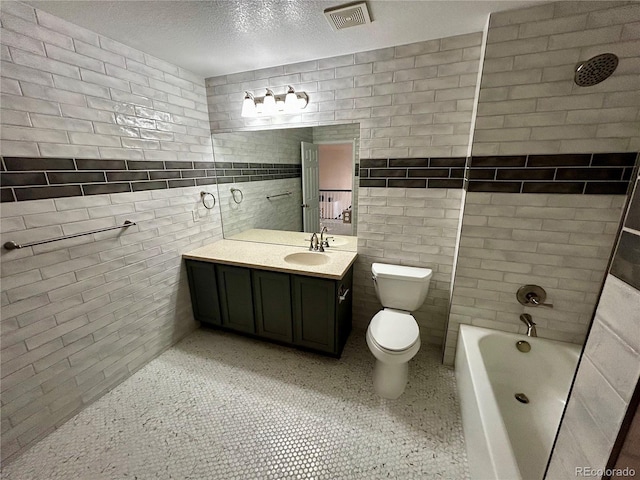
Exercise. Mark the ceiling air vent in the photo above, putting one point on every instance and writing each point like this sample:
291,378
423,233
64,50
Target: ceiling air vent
349,15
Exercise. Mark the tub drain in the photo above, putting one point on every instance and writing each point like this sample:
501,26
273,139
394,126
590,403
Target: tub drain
522,398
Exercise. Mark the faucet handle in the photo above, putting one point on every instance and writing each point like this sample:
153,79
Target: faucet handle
311,245
533,296
535,300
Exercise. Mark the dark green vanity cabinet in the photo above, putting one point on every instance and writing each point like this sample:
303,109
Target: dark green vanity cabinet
307,312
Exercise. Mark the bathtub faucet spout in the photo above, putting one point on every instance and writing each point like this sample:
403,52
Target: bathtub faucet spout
531,326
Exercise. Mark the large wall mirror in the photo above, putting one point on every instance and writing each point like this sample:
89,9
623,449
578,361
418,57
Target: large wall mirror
282,185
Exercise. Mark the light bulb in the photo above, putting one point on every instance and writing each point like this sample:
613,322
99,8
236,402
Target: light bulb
248,106
291,100
269,103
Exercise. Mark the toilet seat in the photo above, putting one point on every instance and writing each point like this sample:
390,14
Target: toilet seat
394,330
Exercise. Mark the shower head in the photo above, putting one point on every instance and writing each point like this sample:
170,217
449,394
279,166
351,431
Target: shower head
595,70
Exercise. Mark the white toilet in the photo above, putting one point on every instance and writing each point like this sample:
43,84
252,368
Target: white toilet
393,335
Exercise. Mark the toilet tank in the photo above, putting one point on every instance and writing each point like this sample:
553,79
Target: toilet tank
399,287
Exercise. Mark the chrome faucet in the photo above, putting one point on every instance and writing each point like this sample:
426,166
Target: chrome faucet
313,245
531,326
324,242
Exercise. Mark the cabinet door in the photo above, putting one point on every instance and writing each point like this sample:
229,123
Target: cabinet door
204,292
236,300
272,297
314,302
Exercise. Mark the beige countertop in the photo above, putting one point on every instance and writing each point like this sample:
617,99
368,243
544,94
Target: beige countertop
266,256
301,239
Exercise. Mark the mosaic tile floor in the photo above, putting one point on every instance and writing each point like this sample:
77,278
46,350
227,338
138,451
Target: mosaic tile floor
221,406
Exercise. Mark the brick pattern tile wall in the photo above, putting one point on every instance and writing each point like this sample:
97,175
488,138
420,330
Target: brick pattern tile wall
630,455
528,101
81,315
413,227
410,101
560,242
68,92
609,370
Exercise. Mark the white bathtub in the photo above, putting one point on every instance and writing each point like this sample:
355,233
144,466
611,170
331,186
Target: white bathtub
507,439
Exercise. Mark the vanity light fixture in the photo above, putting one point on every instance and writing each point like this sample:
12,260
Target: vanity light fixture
272,104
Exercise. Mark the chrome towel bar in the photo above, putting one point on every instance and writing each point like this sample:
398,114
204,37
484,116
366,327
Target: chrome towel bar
14,245
269,197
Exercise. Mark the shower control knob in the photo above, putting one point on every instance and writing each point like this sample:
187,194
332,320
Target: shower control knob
532,296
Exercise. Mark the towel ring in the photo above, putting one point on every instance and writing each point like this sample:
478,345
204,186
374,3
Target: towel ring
203,196
233,194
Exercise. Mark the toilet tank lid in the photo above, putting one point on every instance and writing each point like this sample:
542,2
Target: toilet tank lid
384,270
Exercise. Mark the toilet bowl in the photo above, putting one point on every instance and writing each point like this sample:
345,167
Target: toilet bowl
393,335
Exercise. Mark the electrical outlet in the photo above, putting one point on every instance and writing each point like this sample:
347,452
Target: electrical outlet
196,216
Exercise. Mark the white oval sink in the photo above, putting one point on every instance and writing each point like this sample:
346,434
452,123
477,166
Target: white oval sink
307,258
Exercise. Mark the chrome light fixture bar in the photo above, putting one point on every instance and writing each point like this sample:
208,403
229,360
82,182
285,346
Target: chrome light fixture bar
273,104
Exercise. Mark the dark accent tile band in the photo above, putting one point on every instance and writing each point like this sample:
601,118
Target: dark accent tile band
588,173
26,178
412,172
233,172
597,173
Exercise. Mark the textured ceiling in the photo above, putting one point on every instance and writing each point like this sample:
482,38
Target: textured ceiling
218,37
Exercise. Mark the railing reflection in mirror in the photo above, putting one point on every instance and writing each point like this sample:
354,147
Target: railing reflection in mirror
333,203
